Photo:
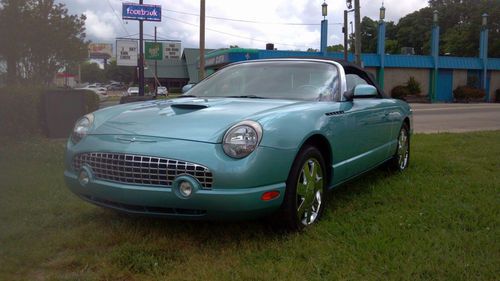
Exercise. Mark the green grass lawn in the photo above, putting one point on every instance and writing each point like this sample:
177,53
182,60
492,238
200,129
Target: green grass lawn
437,221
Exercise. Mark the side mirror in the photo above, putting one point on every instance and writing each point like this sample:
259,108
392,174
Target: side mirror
365,91
187,87
361,91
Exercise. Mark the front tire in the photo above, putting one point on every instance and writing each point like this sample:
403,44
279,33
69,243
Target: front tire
304,200
401,158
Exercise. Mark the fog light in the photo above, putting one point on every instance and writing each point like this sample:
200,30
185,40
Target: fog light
84,177
185,188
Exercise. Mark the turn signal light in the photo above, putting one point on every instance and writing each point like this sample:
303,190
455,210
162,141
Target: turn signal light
270,195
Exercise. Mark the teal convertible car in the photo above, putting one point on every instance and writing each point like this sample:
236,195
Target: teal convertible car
255,138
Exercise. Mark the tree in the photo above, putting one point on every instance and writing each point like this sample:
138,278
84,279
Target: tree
91,72
42,38
414,30
12,27
369,35
119,73
335,48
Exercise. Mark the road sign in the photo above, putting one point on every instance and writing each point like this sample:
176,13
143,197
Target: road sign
126,52
154,51
134,11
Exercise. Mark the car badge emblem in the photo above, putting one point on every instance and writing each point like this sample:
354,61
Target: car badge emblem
133,139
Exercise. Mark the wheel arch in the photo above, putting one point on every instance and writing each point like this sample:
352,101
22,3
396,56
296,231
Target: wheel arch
323,145
407,122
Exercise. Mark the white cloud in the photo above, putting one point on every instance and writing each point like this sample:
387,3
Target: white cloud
99,25
105,24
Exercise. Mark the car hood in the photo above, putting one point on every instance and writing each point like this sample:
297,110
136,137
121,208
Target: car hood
194,119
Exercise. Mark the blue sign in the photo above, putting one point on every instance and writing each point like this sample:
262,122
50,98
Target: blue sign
133,11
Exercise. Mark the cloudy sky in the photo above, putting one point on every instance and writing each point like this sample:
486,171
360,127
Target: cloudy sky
289,24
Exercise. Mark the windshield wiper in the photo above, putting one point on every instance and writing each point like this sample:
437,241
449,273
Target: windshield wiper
187,96
247,97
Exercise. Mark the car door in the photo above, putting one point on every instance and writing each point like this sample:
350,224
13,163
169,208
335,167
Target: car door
364,130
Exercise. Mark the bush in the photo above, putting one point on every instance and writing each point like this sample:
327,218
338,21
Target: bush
174,90
467,93
23,109
400,92
413,86
20,111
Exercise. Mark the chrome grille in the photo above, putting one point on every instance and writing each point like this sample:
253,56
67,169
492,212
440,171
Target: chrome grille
143,170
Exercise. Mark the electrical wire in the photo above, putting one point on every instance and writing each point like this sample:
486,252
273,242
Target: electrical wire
233,35
244,20
119,19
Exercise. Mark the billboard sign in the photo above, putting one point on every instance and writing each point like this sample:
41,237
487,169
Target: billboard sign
126,52
100,51
134,11
172,50
154,51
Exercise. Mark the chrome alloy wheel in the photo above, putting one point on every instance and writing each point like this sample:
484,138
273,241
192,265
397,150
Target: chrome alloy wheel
403,149
309,191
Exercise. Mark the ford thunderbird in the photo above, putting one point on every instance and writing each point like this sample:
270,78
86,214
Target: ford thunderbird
253,139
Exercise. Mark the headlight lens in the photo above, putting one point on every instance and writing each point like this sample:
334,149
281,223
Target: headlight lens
241,139
82,127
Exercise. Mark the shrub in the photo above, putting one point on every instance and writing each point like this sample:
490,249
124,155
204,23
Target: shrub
468,93
20,111
413,86
23,109
175,90
400,92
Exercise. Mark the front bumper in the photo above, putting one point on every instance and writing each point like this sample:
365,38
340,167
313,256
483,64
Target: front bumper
230,204
238,184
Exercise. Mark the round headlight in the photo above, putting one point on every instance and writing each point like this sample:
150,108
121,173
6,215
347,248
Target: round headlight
241,139
82,127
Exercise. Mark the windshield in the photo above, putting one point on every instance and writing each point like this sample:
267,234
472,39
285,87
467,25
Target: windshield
297,80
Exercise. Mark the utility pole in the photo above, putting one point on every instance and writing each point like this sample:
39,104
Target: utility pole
156,72
202,41
357,36
344,29
141,56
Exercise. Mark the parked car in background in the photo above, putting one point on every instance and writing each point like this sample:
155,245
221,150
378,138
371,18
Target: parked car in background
131,91
115,86
100,91
162,91
255,138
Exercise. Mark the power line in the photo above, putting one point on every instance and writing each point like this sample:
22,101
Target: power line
116,15
252,21
247,21
233,35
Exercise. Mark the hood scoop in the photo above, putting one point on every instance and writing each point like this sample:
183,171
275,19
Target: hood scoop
182,108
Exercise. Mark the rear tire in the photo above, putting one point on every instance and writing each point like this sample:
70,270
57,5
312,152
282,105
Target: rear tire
305,195
401,158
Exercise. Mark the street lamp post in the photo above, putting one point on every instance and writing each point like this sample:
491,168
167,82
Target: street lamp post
324,28
435,54
483,52
382,13
381,46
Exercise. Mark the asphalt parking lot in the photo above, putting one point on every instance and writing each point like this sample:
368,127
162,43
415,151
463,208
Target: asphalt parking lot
435,118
